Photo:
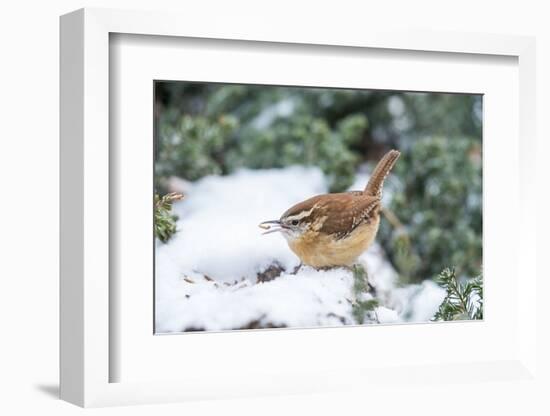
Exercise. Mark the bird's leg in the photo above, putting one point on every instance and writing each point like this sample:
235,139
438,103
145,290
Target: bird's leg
297,269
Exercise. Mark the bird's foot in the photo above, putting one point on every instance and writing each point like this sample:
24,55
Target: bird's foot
297,269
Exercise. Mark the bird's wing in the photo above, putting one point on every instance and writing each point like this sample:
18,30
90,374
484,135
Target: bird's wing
348,211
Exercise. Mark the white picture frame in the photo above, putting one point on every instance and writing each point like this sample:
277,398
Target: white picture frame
87,356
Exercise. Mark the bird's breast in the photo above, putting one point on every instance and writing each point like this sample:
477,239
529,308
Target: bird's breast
318,249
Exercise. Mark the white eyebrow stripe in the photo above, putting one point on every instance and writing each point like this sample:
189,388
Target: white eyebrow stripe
300,215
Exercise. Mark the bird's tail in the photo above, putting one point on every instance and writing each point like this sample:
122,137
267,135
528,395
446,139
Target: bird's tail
383,168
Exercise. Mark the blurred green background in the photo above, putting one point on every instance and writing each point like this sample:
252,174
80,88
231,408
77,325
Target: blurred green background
434,212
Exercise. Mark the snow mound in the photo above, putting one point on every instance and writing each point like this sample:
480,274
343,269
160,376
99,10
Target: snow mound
310,298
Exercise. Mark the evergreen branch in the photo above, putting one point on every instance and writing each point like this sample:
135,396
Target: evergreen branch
462,301
361,308
165,221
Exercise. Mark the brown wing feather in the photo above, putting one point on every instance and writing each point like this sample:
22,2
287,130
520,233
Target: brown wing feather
348,211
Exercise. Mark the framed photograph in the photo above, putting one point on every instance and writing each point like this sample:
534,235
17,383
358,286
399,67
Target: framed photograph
315,161
271,213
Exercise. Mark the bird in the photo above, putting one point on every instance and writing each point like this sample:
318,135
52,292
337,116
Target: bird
334,229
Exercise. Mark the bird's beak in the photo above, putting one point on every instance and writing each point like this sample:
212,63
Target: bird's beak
272,226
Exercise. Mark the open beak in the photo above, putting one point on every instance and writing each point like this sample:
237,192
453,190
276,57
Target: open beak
271,226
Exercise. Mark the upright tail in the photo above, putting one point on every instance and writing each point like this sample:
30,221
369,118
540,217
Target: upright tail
376,181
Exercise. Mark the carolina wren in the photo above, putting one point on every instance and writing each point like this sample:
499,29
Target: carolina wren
334,229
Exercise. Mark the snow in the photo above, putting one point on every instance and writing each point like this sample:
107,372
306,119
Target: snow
386,315
417,303
206,276
309,299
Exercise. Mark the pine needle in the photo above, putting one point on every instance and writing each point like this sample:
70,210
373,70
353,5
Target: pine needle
462,300
165,221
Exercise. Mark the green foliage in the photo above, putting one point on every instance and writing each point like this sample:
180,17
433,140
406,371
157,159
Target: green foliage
165,221
438,198
194,147
462,301
361,309
303,140
236,129
204,129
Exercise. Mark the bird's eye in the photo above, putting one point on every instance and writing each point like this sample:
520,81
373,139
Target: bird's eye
294,222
